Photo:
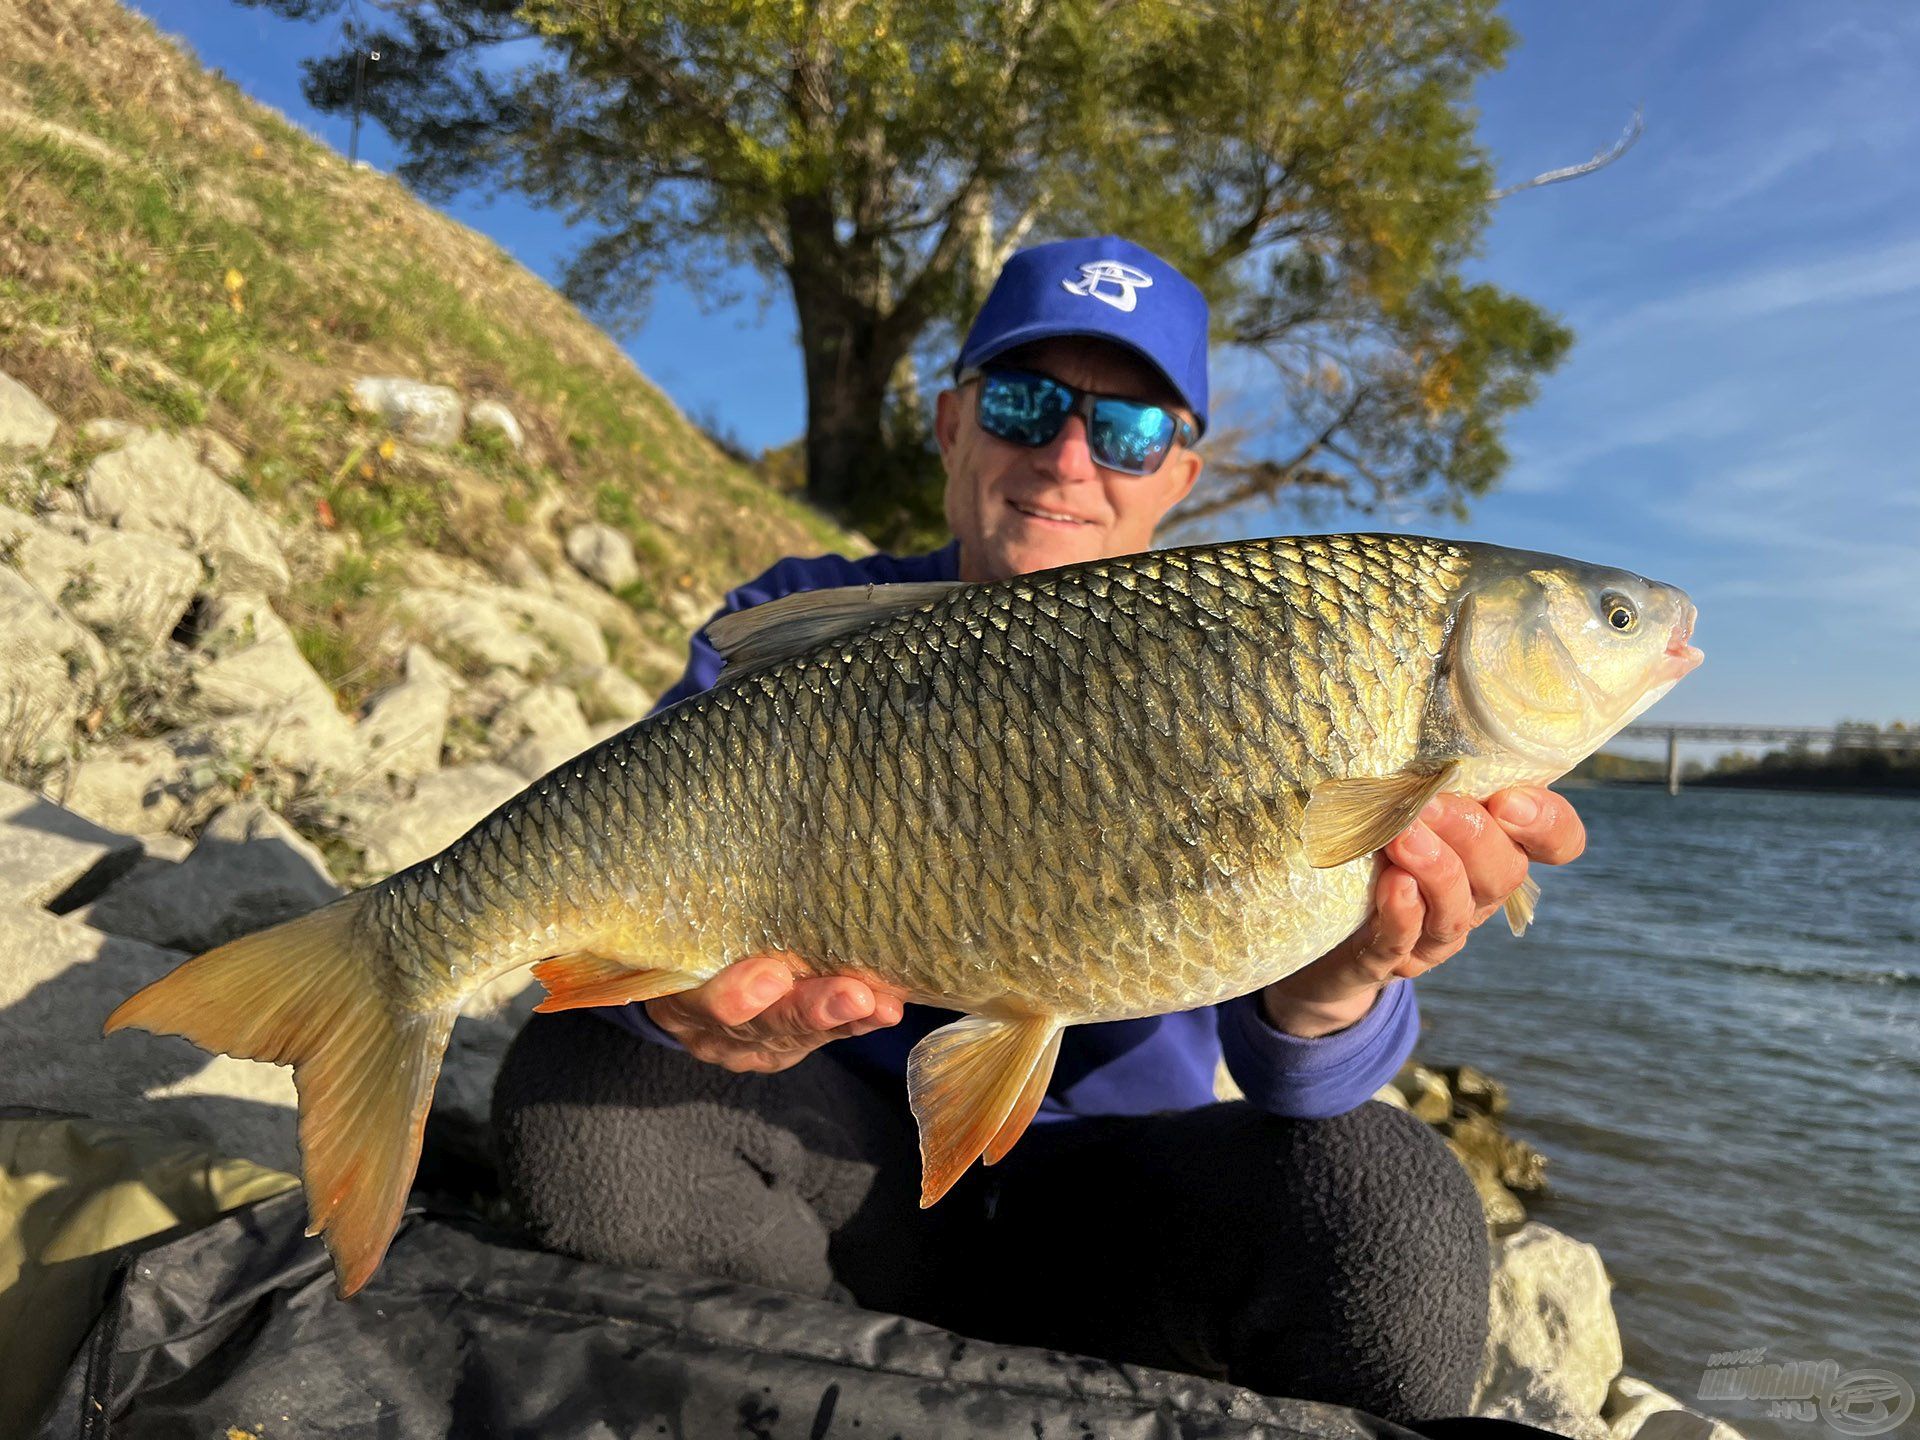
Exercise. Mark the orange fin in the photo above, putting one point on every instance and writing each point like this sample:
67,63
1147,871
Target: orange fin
585,978
1350,818
1028,1104
1521,905
305,994
974,1084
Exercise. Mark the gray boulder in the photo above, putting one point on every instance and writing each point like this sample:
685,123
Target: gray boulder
272,706
49,668
156,484
491,417
25,422
405,725
1554,1347
141,786
60,983
121,584
424,414
442,808
1636,1410
50,856
609,693
250,870
603,554
501,626
539,729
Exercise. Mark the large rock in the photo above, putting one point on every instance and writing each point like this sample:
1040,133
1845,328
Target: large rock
49,669
156,484
498,625
603,554
405,725
50,856
273,707
60,983
1636,1410
250,870
25,423
539,729
424,414
121,584
609,693
1482,1145
141,786
1554,1347
442,808
490,417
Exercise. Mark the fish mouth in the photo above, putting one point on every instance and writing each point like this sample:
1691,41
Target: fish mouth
1682,657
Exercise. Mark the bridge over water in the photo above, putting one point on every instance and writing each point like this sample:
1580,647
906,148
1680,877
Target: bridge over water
1839,737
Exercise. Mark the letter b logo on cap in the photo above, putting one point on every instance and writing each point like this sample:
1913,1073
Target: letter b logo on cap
1097,275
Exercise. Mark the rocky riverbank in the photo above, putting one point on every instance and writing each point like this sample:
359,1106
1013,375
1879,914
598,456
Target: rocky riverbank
184,775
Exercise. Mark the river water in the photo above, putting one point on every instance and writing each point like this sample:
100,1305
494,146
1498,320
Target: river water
1713,1032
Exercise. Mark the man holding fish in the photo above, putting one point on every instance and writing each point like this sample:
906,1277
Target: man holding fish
1047,827
1040,475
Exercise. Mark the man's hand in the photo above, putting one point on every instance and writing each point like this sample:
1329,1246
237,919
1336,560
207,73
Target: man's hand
755,1015
1445,876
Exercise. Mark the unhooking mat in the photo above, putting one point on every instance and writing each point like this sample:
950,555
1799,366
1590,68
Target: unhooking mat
234,1331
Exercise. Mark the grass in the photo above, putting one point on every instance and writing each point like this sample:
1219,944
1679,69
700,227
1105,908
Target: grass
173,254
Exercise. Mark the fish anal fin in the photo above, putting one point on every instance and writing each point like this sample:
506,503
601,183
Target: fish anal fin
969,1082
792,625
1521,905
1349,818
586,978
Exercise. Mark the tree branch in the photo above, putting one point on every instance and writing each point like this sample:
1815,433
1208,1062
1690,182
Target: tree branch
1606,157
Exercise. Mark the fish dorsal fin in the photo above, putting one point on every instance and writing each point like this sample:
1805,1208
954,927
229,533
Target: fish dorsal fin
1350,818
794,624
973,1086
1521,905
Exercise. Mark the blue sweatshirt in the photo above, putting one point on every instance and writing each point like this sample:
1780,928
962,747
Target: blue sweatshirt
1122,1067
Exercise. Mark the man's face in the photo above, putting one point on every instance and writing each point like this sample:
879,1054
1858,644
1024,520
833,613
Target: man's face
1016,510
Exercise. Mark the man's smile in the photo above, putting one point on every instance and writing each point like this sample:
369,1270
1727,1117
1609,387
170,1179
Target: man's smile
1053,517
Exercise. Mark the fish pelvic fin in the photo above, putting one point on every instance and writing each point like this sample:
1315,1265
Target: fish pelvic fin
974,1085
306,994
586,978
1349,818
1521,905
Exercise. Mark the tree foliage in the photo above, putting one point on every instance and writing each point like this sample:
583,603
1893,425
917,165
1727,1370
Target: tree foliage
1311,163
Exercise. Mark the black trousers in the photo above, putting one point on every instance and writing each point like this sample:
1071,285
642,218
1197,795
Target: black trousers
1341,1260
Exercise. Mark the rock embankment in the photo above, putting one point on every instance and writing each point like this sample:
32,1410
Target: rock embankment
190,777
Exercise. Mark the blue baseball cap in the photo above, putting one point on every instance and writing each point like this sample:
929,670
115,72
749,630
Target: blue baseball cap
1107,288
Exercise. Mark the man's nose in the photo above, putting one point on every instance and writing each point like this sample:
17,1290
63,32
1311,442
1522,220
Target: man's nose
1068,456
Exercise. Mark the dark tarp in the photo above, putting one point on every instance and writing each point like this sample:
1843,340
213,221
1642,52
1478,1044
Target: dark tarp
234,1330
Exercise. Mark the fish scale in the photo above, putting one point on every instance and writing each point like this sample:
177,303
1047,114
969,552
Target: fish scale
1114,790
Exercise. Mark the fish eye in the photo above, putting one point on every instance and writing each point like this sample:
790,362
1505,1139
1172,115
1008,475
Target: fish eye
1621,616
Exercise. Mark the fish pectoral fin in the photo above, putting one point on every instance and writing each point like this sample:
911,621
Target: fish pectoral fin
586,978
1350,818
1520,906
973,1086
767,634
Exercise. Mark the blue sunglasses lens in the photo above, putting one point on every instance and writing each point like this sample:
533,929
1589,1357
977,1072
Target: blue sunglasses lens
1024,409
1126,435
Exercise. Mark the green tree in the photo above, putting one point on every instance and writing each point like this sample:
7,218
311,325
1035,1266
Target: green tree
1312,163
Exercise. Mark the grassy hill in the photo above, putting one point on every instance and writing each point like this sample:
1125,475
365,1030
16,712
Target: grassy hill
176,255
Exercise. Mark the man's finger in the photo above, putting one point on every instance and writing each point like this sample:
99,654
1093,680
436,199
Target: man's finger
1443,890
733,997
1398,914
1543,824
1493,863
815,1007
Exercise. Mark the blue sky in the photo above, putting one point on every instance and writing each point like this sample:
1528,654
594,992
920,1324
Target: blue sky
1740,414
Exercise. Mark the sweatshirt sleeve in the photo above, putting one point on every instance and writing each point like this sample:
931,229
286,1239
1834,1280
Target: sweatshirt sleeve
1329,1075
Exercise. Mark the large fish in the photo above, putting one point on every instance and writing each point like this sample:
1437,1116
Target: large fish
1112,790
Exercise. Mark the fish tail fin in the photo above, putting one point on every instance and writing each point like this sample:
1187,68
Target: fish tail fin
305,994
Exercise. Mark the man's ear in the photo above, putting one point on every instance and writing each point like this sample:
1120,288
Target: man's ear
1194,463
946,420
